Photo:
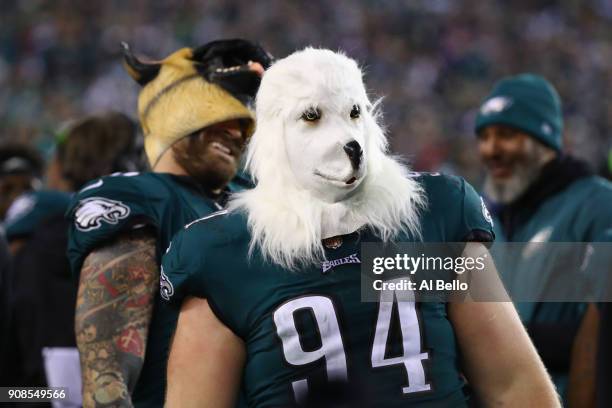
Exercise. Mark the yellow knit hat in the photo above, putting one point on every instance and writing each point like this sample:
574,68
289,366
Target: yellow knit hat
194,88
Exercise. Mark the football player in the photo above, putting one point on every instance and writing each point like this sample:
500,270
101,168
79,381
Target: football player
274,281
194,111
91,147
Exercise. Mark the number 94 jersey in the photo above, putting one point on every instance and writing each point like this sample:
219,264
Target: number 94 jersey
308,336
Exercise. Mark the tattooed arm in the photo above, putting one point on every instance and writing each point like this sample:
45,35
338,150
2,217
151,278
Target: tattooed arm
114,306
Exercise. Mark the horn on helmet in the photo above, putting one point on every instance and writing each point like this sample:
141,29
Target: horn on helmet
141,72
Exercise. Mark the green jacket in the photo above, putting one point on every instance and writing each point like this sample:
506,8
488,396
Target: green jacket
576,210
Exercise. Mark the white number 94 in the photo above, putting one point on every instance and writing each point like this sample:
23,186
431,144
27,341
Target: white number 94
332,348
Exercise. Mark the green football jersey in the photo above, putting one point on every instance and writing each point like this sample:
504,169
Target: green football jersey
579,213
303,328
106,207
31,209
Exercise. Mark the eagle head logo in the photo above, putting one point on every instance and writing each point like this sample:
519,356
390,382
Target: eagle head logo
496,105
92,211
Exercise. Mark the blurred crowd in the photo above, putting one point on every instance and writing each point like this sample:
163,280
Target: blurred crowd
432,60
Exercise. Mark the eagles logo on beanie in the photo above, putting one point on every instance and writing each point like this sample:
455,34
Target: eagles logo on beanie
527,102
195,88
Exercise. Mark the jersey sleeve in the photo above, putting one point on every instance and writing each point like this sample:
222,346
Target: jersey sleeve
181,267
457,208
106,207
476,221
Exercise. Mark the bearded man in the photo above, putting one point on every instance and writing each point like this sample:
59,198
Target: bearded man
538,193
194,111
275,281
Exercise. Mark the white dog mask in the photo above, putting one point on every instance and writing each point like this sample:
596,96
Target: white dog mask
325,136
320,162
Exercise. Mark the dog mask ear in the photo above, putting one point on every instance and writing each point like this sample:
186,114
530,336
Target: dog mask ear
266,150
377,143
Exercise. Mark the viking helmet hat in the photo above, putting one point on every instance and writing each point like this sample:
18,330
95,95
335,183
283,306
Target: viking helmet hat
195,88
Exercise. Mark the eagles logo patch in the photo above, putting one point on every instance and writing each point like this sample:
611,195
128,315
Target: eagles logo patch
496,105
91,212
166,290
485,212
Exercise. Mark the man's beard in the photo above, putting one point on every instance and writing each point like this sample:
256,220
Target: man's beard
209,170
525,173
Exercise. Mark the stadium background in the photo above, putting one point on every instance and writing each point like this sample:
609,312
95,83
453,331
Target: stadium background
432,60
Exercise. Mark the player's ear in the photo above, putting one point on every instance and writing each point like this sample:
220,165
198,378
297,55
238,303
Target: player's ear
376,140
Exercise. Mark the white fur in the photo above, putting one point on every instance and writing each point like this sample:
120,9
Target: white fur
291,210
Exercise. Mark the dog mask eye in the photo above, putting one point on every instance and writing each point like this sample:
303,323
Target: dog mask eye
355,112
311,115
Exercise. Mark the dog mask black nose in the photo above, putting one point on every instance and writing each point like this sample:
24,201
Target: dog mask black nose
354,152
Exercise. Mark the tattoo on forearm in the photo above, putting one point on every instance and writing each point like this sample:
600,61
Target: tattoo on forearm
114,306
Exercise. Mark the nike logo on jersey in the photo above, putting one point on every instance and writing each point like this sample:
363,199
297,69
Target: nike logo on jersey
351,259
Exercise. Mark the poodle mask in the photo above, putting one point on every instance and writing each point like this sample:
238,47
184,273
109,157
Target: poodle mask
316,101
320,161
